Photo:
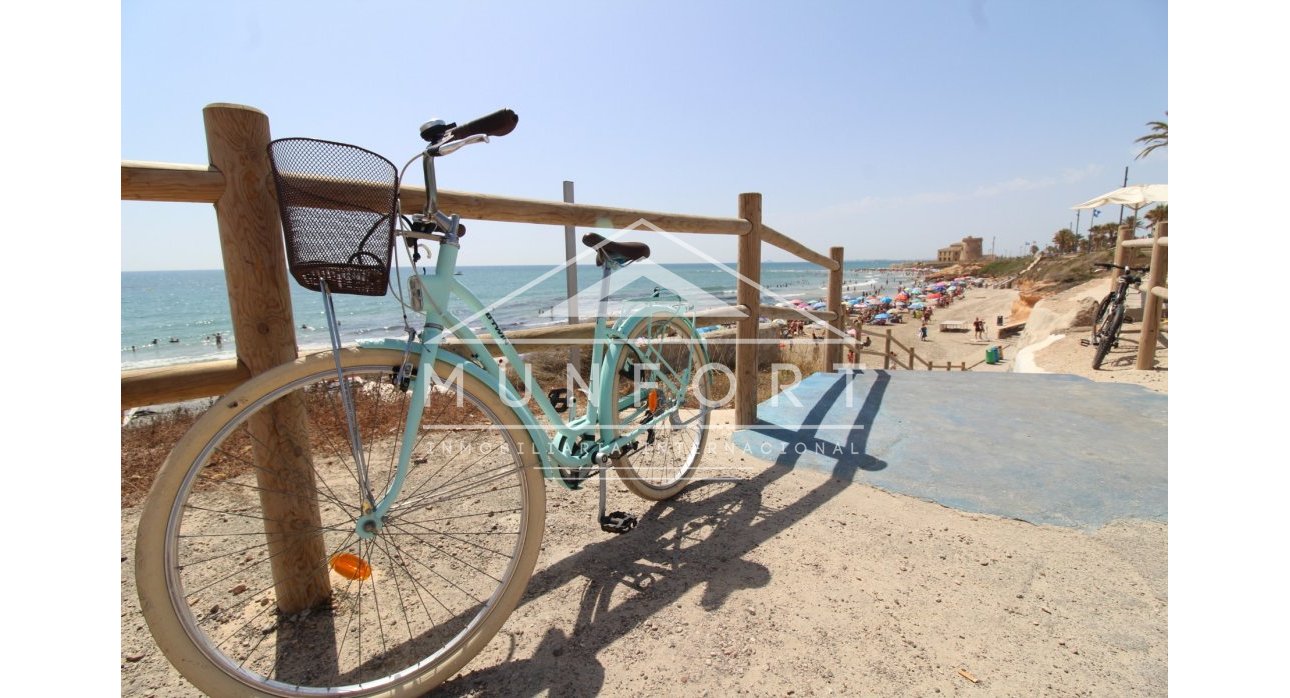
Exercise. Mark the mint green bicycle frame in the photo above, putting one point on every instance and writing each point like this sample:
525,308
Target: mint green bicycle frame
598,421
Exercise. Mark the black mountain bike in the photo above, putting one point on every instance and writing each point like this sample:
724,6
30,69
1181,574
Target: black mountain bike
1110,312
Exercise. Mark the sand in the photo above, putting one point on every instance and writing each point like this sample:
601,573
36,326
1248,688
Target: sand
1062,319
765,580
941,347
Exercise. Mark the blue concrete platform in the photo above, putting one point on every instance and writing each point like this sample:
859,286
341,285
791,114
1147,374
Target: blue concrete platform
1044,448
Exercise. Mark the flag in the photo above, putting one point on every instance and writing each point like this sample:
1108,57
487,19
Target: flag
1096,213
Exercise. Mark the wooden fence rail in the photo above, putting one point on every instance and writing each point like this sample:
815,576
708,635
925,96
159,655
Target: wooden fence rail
238,182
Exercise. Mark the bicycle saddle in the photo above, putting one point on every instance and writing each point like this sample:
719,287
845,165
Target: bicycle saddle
619,253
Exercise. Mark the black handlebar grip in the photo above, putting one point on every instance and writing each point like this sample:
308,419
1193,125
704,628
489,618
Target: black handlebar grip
499,123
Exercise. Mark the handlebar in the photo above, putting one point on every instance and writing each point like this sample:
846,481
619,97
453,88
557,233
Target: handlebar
499,123
1108,265
444,139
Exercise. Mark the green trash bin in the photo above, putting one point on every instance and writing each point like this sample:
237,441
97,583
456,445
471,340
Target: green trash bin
992,355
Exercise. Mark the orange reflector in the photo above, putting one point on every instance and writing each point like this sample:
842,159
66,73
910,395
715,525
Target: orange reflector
653,400
350,566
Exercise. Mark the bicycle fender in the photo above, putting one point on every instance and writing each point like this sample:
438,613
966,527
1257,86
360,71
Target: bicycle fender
626,325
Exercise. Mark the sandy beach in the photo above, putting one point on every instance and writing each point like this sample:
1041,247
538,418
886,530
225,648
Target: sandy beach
769,580
941,347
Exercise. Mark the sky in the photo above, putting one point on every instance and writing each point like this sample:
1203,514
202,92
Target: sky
891,128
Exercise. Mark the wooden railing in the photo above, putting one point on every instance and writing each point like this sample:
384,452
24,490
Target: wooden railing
910,357
1157,287
238,182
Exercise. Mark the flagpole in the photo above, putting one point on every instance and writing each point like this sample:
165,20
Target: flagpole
1126,183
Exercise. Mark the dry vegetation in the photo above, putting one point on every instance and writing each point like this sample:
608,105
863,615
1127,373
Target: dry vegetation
150,435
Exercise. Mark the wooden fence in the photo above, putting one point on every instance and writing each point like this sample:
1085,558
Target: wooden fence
1157,286
238,182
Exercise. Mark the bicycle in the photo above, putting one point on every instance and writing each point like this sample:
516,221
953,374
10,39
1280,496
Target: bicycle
361,521
1110,312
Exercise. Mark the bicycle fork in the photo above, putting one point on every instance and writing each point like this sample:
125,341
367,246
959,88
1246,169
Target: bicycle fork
347,401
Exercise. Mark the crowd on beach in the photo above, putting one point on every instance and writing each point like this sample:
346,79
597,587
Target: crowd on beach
917,301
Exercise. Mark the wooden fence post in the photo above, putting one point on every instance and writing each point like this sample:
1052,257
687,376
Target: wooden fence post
1151,307
886,352
833,350
748,294
237,138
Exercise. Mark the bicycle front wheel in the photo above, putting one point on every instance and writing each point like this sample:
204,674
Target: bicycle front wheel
1101,313
664,357
255,576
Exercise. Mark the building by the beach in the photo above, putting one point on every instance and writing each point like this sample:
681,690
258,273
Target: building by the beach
968,250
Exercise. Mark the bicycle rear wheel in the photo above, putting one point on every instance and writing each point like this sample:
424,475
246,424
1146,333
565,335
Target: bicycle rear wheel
256,582
663,354
1109,334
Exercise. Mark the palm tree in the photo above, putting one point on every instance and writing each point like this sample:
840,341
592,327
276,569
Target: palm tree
1158,138
1066,240
1103,235
1157,214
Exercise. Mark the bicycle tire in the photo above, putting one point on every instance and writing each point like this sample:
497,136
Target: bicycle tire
429,591
661,469
1110,333
1101,313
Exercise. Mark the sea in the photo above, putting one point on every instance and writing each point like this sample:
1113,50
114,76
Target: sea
175,317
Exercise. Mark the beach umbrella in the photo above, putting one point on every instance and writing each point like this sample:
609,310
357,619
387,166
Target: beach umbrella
902,296
886,299
1135,196
933,296
881,316
918,305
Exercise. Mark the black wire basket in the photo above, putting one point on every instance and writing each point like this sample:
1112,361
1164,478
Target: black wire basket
338,205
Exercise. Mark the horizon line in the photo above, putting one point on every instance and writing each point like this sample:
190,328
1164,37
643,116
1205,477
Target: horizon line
469,266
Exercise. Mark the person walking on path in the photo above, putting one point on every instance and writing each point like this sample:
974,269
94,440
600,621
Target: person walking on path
922,332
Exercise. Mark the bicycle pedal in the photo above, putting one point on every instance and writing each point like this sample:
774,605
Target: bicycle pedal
617,522
559,398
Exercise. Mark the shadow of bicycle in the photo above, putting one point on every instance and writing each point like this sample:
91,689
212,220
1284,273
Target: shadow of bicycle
697,539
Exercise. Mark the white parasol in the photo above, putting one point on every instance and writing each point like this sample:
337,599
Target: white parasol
1134,196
